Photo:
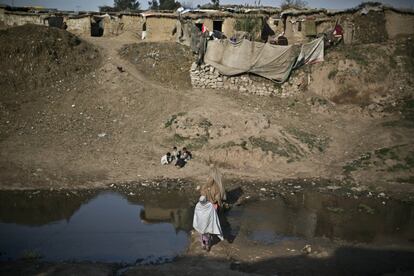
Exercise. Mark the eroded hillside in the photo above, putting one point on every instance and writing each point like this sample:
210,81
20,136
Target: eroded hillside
110,121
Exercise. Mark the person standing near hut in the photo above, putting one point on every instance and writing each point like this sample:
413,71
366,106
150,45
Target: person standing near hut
206,222
214,190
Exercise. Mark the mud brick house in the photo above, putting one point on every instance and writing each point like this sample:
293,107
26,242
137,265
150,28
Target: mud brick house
366,23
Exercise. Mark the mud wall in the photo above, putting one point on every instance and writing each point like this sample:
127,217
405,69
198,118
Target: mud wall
207,22
18,19
132,23
276,25
112,26
294,30
160,29
370,28
228,26
398,24
79,26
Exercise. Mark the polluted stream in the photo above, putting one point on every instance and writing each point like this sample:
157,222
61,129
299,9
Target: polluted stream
117,227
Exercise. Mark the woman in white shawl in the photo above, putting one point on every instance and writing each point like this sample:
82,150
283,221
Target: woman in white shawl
206,222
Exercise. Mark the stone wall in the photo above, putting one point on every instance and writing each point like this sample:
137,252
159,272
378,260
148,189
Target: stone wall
205,76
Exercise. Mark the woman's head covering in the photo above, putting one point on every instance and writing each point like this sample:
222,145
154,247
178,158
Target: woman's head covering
215,174
202,199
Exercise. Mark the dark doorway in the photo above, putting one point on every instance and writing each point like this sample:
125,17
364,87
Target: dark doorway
56,21
97,27
199,26
217,25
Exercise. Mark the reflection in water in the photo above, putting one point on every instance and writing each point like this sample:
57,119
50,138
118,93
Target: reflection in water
180,218
38,208
110,227
107,228
314,214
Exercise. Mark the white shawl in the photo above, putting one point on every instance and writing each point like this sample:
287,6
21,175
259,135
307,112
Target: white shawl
206,220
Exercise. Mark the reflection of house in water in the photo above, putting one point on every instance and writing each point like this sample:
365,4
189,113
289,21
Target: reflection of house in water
172,207
180,218
314,214
28,208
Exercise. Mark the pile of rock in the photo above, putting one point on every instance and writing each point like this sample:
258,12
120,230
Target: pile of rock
206,76
294,86
245,84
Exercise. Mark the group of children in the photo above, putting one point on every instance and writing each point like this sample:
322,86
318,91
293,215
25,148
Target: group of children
181,157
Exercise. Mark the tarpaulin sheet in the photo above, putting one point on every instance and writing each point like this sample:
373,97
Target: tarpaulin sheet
311,52
264,59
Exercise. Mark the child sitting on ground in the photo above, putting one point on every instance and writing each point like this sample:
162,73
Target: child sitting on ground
166,159
176,154
185,156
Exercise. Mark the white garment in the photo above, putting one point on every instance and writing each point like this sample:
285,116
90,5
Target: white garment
206,220
165,160
175,154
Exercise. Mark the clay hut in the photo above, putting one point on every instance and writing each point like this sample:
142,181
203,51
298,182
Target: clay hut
366,23
106,24
79,24
163,26
159,26
132,23
10,18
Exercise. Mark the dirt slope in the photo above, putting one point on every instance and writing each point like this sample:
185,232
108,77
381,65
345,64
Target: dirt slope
113,123
36,56
164,62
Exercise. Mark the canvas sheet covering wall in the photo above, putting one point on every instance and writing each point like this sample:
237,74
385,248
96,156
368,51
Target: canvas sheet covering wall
311,52
269,61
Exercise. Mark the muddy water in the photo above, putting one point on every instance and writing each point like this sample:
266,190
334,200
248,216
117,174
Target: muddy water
153,227
316,215
94,226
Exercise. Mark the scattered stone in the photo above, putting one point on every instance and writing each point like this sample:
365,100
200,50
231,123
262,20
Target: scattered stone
307,249
366,208
333,188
